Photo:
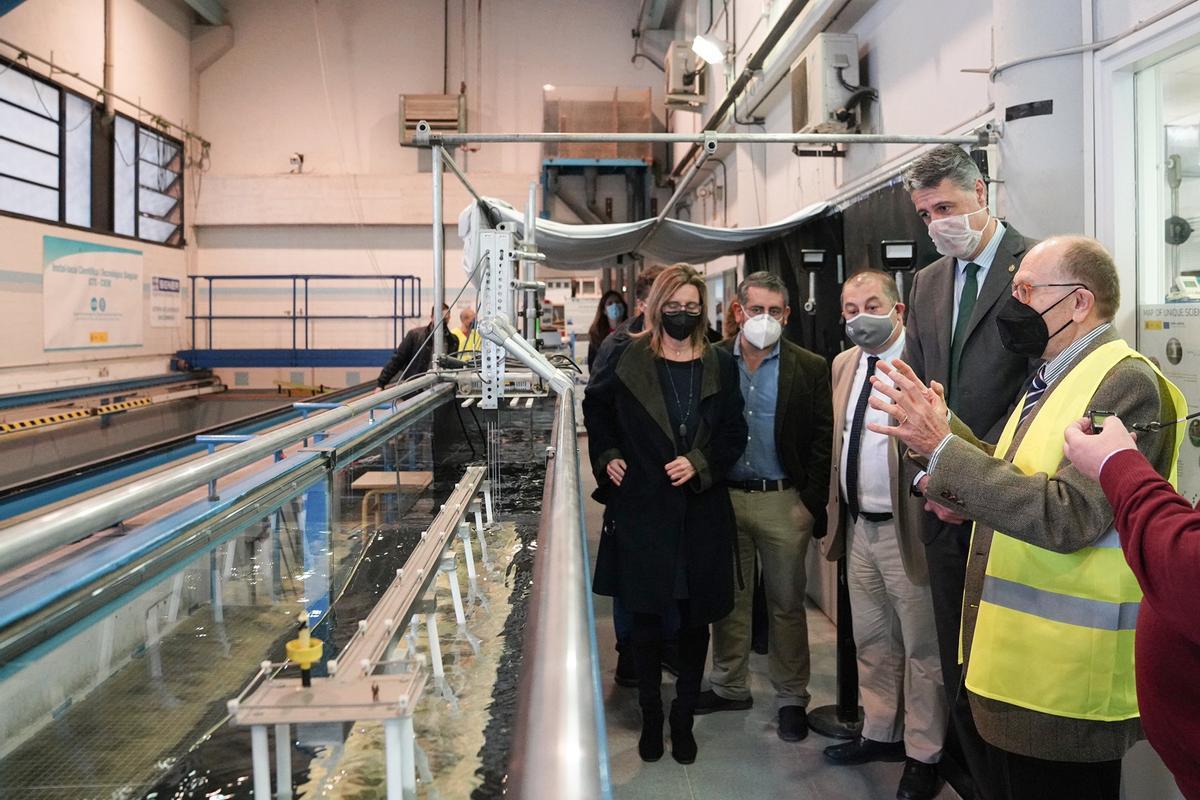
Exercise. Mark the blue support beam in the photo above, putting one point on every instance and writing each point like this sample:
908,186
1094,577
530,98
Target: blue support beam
8,5
284,357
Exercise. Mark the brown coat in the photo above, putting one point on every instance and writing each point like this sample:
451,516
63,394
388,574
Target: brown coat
909,515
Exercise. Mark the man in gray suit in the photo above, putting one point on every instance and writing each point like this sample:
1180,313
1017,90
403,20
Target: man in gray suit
952,338
1050,604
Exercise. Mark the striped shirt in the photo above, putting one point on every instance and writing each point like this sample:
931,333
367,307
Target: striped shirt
1052,371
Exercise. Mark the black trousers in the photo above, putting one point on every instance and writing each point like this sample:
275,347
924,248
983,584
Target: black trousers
947,559
1023,778
648,649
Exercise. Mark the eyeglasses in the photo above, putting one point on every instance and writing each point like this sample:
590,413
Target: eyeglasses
755,311
1024,291
674,308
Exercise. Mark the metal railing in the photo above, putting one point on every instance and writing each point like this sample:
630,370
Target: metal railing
406,304
26,540
560,747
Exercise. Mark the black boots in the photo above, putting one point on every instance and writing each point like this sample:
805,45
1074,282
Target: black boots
650,745
683,743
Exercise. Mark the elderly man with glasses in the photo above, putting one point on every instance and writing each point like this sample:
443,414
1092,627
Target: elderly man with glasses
778,488
1049,604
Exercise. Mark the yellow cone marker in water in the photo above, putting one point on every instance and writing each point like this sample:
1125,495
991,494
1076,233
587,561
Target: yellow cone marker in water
304,651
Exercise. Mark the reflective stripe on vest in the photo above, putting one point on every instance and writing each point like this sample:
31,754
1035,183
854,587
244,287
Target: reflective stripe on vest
1055,631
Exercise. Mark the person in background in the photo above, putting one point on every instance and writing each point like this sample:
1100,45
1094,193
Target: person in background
899,671
1047,633
729,326
778,489
415,352
610,313
952,339
1160,536
465,334
626,671
664,423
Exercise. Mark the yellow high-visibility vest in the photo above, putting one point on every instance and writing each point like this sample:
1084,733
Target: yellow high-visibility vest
1055,630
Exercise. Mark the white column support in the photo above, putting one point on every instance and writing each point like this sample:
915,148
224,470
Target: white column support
435,646
283,762
393,756
408,746
261,757
449,568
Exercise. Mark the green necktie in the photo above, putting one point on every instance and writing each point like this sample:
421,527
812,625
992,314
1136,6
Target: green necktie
966,304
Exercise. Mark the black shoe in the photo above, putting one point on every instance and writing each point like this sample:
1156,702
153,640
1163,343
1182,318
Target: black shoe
683,743
670,657
860,751
650,745
919,782
626,674
709,701
793,723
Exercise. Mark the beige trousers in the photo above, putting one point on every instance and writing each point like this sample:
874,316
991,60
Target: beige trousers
778,527
899,670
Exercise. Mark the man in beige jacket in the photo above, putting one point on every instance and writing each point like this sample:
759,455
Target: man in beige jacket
899,669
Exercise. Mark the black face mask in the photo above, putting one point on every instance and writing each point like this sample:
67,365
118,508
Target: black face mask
1023,331
680,324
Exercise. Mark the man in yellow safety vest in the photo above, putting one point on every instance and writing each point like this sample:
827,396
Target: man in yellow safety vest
1050,605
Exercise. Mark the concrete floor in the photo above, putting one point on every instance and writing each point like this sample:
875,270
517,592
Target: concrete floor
740,753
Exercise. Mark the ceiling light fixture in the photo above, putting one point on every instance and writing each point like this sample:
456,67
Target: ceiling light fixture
710,48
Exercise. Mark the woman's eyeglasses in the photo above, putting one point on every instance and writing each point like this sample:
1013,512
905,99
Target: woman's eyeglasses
674,308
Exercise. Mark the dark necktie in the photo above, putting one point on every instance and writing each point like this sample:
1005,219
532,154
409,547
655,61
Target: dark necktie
966,304
1037,388
855,444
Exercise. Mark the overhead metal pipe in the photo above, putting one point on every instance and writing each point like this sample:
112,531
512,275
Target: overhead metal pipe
25,541
456,139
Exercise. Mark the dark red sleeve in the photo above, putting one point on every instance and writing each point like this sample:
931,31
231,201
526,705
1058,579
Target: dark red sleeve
1160,534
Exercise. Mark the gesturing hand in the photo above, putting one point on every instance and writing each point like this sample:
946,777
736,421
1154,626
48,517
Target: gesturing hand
680,471
919,411
616,471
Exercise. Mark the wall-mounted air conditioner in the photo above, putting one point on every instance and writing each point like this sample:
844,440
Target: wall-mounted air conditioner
685,75
822,81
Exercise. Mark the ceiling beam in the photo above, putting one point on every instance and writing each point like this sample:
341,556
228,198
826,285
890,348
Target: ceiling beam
210,10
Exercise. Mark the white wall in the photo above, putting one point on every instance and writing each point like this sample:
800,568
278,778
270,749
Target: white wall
151,41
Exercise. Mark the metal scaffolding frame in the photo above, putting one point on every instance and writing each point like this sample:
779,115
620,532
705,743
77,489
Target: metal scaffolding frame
709,141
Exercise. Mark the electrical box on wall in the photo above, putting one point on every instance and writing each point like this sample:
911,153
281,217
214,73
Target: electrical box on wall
685,78
821,83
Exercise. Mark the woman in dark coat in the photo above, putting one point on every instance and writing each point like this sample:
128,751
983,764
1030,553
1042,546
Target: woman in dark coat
609,315
664,421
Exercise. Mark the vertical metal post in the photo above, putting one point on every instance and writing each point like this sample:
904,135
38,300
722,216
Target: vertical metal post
439,259
293,316
395,312
262,760
844,719
283,762
210,314
195,346
529,306
307,311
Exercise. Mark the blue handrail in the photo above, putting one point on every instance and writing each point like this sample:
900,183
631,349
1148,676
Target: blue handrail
406,301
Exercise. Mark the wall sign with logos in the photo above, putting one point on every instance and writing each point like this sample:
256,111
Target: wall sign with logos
91,295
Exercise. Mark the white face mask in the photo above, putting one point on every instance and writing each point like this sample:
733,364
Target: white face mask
954,236
762,331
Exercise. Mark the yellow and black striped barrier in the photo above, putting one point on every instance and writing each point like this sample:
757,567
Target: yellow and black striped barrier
49,419
125,405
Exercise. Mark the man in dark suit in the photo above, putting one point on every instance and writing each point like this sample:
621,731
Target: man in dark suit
952,338
778,488
415,352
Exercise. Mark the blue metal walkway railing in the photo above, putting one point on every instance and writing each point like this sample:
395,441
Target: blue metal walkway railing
406,305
